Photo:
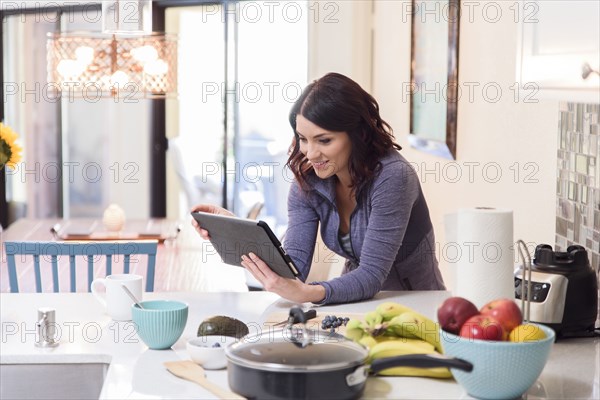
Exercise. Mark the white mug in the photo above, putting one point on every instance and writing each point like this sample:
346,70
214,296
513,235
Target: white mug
117,302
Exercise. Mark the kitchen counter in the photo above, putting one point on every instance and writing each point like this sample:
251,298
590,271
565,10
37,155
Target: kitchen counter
88,335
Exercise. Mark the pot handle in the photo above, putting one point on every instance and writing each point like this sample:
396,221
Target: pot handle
420,361
298,316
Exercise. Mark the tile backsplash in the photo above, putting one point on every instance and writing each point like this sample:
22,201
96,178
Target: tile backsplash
578,179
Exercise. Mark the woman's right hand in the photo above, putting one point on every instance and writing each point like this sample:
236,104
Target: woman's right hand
211,209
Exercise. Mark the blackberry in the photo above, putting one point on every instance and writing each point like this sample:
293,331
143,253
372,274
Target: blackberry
332,322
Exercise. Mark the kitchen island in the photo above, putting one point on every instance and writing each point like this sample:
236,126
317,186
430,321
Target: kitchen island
89,336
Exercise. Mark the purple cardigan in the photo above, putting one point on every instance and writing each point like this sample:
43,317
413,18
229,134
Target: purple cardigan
390,229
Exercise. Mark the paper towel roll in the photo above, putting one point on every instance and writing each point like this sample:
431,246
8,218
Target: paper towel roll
480,250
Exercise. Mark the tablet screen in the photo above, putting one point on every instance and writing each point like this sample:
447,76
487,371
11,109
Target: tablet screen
232,237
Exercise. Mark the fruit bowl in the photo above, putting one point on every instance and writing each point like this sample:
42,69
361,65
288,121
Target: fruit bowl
501,370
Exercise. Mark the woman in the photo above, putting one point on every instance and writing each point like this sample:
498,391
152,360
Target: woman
350,179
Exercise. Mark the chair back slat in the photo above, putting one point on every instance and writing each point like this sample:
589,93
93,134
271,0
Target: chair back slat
55,273
126,264
150,273
73,274
90,274
108,264
11,249
73,249
38,273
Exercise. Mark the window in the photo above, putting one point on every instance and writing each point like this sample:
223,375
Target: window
80,154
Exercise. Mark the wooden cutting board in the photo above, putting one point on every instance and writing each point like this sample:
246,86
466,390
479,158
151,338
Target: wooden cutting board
315,323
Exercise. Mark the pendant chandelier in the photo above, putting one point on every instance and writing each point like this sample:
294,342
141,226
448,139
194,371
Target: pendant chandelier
125,60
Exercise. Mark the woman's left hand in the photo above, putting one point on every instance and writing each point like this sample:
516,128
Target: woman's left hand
291,289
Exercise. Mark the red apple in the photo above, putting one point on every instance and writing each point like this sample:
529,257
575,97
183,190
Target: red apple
483,327
453,313
504,311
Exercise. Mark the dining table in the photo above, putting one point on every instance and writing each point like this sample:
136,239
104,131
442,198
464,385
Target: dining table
184,261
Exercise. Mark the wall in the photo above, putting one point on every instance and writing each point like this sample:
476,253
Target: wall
506,147
340,39
578,181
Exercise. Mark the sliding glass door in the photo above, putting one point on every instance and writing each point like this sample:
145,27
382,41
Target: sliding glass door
195,119
241,67
272,60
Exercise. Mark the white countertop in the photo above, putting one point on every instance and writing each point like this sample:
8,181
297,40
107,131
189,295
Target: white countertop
88,335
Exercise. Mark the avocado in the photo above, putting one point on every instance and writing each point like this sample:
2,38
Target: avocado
223,325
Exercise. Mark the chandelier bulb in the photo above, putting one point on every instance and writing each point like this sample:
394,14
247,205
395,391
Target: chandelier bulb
84,55
145,54
157,67
119,78
70,69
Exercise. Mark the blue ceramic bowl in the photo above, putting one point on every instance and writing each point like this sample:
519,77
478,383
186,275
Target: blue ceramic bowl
160,323
501,370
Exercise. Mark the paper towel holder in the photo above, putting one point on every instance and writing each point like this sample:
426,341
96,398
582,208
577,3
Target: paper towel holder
526,259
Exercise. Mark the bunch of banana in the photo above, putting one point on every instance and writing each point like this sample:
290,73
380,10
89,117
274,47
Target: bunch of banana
393,329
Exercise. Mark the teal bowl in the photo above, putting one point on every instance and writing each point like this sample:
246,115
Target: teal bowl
501,370
160,323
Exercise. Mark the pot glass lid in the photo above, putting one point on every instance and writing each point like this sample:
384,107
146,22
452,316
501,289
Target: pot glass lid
280,352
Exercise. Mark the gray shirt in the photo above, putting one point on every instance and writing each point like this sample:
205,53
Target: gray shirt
390,231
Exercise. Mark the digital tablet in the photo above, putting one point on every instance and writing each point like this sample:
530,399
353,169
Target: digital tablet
233,237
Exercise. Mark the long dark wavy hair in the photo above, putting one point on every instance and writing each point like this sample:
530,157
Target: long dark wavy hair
337,103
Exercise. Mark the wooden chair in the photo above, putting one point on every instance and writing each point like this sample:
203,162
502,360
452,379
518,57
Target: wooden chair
255,210
90,250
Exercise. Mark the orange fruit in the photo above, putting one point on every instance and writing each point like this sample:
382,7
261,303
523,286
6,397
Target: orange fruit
526,333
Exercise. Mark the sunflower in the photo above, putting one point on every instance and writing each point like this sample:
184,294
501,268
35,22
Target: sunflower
10,151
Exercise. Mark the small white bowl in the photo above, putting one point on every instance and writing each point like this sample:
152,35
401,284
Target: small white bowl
209,351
